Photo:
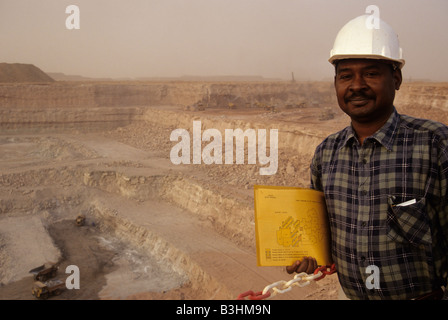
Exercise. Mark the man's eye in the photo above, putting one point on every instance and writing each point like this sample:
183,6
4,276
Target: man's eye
372,74
344,76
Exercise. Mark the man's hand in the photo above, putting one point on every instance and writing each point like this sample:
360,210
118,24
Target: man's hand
307,264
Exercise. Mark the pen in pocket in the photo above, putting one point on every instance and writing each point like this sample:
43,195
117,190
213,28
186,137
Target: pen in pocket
391,200
406,203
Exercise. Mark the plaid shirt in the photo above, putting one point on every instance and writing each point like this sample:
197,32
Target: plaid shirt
406,159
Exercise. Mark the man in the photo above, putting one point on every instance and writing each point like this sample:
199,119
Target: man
385,178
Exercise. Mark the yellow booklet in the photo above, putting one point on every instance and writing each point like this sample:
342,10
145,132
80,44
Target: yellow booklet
290,223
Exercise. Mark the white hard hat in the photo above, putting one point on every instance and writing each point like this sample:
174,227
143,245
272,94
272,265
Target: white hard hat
359,39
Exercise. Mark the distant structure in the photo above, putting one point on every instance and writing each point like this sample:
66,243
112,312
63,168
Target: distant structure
19,72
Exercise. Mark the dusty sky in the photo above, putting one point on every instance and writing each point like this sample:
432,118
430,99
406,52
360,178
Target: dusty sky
170,38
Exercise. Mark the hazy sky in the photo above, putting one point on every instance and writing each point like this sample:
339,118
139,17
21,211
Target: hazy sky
271,38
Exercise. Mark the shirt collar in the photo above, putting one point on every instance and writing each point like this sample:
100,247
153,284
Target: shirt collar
385,136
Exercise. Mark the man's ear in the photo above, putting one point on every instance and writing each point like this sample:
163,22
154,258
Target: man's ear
335,72
398,78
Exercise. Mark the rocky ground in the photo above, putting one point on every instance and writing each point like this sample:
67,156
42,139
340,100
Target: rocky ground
154,230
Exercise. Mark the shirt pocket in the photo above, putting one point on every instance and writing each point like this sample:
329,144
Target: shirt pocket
409,224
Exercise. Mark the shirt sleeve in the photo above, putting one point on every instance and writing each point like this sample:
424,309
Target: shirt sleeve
443,180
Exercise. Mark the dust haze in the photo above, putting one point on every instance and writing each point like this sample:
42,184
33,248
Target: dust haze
158,38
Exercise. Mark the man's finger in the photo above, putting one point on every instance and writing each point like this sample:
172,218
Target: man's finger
292,268
303,267
312,266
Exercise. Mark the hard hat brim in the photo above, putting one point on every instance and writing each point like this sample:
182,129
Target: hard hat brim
335,58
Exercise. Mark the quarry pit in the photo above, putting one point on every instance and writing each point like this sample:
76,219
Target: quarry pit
155,230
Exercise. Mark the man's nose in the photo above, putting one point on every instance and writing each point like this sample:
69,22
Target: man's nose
358,83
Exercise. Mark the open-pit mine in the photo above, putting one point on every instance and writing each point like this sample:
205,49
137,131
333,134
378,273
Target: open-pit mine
154,229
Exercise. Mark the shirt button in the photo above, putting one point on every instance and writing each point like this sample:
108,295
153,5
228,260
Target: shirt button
364,161
364,192
363,224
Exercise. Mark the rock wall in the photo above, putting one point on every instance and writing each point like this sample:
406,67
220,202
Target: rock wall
96,106
96,94
93,119
425,100
104,105
215,94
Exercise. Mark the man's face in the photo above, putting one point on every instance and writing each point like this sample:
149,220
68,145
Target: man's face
365,89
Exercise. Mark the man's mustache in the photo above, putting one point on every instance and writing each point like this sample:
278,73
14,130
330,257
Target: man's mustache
358,96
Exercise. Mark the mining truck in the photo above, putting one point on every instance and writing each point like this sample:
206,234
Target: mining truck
45,271
44,290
